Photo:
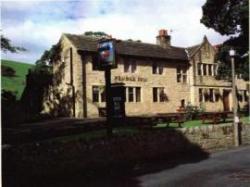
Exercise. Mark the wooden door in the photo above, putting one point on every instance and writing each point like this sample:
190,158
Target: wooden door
225,100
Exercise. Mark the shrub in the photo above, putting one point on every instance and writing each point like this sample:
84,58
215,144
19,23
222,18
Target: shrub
8,71
192,111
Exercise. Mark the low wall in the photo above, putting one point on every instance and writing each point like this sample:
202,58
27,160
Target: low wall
245,134
214,137
52,157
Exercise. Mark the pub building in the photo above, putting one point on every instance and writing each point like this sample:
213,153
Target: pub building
158,78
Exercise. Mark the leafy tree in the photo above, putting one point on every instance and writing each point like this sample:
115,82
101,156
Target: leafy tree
7,46
230,17
96,34
48,55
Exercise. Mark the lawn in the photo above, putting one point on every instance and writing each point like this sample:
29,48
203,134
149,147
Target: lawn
16,83
245,120
196,123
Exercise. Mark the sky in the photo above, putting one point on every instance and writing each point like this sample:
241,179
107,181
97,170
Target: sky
37,25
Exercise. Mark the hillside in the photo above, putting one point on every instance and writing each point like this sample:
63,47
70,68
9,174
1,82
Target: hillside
17,82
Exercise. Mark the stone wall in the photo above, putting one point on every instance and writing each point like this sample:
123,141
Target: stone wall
44,158
245,134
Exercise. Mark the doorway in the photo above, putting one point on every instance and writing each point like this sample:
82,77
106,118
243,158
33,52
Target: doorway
225,100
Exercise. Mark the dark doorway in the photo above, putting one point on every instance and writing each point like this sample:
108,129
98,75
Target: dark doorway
225,100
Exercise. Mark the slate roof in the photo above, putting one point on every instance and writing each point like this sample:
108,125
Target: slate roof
191,50
86,43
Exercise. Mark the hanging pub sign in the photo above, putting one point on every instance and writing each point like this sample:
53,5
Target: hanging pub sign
107,53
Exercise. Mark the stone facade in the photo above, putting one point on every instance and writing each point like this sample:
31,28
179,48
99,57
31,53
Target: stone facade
78,88
206,90
145,80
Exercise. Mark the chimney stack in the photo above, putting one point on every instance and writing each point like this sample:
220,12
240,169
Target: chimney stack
163,39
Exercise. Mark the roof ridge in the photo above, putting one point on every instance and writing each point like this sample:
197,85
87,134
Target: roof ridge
124,41
194,46
88,43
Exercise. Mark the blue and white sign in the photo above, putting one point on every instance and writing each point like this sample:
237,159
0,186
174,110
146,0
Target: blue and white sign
106,50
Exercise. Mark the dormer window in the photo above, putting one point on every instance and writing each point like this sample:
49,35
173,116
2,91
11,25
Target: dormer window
129,66
157,69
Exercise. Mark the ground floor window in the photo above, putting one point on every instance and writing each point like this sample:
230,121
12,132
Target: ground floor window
133,94
208,95
98,94
200,95
242,96
211,95
159,94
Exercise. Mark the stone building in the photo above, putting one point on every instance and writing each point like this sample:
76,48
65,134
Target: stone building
205,90
158,78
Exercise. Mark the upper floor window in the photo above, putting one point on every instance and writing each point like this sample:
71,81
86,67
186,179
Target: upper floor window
129,66
206,69
199,68
210,69
181,74
215,66
157,69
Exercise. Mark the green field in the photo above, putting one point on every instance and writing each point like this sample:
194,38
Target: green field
16,83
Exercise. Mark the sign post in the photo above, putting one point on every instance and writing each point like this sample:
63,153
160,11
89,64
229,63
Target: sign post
107,61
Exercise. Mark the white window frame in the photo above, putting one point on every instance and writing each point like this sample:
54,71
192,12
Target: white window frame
134,94
100,92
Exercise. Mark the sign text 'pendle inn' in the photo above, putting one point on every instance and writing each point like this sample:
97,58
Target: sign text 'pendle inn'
130,78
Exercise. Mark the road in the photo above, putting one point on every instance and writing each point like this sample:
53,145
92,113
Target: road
229,168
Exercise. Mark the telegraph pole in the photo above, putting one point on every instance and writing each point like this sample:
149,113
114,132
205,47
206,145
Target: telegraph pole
235,104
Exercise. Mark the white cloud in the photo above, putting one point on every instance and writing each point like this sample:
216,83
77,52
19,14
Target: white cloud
122,19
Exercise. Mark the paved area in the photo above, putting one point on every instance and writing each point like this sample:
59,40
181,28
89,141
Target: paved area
229,168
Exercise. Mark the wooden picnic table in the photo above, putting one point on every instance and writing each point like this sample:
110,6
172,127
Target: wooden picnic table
168,118
215,117
153,120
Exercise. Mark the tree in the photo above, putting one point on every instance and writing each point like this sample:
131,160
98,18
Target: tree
96,34
48,55
7,71
7,46
230,17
